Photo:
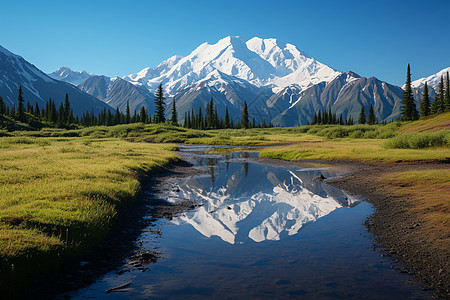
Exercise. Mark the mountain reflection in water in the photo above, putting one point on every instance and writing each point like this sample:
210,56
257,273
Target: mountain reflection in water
244,200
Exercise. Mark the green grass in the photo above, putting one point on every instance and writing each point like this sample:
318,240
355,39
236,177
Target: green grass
420,140
59,196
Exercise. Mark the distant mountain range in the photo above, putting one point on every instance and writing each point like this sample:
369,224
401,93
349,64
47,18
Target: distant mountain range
39,87
280,83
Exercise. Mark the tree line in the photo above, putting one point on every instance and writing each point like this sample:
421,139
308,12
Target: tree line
210,119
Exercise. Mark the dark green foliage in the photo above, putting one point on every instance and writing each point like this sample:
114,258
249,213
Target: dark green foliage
408,110
160,106
371,119
362,116
245,117
20,107
425,104
447,94
227,119
142,115
438,104
2,107
174,116
127,114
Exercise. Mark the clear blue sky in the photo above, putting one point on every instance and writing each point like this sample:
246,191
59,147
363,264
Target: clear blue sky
116,38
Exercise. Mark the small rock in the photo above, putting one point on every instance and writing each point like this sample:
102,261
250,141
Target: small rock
320,178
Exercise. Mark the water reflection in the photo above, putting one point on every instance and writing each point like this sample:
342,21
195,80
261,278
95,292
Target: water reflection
246,201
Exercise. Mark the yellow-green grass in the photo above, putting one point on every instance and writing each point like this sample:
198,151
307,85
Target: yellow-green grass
427,193
60,194
353,149
430,123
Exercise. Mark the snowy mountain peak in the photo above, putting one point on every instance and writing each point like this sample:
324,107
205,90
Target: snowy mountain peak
262,62
432,80
70,76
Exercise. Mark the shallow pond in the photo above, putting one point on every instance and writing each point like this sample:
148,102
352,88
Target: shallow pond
259,231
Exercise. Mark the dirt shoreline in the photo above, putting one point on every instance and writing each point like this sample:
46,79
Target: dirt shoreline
398,231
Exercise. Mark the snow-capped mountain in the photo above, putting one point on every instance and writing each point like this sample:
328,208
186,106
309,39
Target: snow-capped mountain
116,92
343,95
432,82
39,87
262,62
70,76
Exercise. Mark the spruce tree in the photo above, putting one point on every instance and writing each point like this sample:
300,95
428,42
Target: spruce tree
371,119
227,118
174,116
20,107
117,116
66,109
438,103
245,118
127,114
408,110
362,116
159,106
143,115
447,94
2,106
425,104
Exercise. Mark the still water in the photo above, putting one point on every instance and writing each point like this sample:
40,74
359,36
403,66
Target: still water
258,231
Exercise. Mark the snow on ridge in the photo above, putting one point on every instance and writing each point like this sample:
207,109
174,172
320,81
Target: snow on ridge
432,80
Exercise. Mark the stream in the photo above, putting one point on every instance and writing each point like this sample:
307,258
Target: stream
255,230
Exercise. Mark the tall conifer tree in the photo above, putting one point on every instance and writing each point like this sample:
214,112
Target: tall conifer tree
447,94
362,116
408,110
127,114
174,116
371,119
20,107
160,106
245,117
425,104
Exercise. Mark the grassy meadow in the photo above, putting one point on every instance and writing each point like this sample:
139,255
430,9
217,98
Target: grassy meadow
58,196
60,190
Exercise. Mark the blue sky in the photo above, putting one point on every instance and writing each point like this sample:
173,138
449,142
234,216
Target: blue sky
116,38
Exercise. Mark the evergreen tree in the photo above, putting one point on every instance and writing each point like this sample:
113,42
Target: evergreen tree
425,104
61,119
13,112
66,109
447,94
319,118
20,107
408,110
174,116
227,118
2,106
160,106
143,115
117,117
362,116
371,119
341,120
314,120
438,104
37,111
200,119
245,118
127,114
109,118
